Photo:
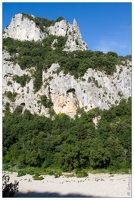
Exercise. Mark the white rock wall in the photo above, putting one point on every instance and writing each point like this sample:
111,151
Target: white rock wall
85,93
74,37
22,28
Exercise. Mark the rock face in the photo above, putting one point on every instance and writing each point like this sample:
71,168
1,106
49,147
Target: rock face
24,28
94,89
74,38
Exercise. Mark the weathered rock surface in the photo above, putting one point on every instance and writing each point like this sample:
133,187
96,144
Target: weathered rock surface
94,89
22,28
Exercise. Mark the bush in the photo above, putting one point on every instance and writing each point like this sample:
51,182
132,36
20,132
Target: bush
37,177
51,173
81,174
46,102
57,175
22,80
21,173
11,95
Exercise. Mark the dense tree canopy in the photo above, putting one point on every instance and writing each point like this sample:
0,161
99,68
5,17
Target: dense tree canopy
69,143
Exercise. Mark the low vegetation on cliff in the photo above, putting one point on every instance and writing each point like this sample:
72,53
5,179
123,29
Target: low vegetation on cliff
41,55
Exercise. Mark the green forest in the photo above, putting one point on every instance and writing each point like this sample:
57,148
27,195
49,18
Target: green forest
67,144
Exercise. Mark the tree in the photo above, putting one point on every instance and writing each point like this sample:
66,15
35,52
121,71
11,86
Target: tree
99,156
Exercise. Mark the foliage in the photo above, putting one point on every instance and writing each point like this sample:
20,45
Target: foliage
68,144
37,177
41,55
42,23
81,174
57,175
11,95
21,173
60,142
124,59
34,54
46,102
22,80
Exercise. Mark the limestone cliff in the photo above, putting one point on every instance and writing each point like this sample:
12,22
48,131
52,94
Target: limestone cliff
24,27
74,38
94,89
67,93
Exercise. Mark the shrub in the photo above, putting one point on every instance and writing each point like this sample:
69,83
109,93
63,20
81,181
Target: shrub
21,173
81,174
22,80
37,177
57,175
11,95
46,102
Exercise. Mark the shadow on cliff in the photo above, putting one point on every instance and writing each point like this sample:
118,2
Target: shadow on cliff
51,195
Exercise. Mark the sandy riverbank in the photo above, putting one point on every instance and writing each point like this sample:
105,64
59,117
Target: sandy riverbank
93,186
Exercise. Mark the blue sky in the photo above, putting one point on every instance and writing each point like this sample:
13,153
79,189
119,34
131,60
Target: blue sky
104,26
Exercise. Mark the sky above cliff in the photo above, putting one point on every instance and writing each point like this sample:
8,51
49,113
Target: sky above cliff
104,26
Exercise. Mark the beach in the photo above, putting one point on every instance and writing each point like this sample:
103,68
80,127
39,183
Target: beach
92,186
